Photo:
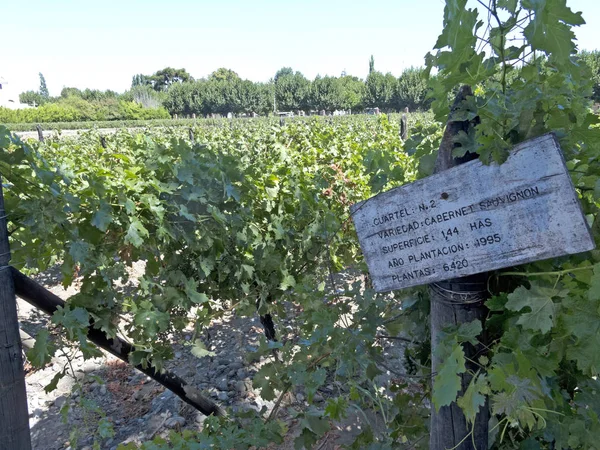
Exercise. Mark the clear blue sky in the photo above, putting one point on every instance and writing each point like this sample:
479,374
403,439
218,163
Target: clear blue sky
102,44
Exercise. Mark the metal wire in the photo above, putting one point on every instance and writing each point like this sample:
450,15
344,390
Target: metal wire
452,297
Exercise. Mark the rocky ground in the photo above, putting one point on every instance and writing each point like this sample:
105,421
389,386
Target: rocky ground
139,408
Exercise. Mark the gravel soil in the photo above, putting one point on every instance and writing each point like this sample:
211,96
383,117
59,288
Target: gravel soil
139,408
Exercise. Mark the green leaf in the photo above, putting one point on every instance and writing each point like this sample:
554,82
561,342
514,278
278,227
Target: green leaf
305,440
265,380
102,218
152,321
54,382
80,251
199,350
135,233
317,424
473,398
43,350
594,291
287,282
468,332
550,28
105,428
447,382
538,300
336,408
190,290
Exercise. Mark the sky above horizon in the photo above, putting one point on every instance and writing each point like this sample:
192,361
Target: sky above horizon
101,45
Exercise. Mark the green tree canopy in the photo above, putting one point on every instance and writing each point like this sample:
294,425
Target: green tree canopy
326,93
162,79
43,88
223,74
292,91
412,89
380,90
592,60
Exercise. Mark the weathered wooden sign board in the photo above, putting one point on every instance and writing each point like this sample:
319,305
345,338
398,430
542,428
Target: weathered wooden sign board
473,218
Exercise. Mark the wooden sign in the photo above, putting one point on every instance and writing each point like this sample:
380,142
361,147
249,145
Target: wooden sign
473,218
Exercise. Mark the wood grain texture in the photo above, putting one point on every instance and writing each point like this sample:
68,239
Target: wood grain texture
14,417
448,426
473,218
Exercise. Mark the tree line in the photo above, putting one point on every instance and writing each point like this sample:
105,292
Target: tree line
171,91
224,91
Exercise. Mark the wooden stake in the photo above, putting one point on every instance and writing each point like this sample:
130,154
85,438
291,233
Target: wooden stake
38,296
40,132
14,417
404,127
454,302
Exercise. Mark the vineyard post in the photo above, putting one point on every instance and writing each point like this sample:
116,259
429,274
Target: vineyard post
40,132
14,417
455,302
404,126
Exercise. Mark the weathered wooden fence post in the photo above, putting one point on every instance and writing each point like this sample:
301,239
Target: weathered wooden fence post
404,127
469,220
40,132
454,302
14,417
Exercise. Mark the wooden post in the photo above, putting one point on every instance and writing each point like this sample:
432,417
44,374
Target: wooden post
40,132
14,417
41,298
454,302
404,128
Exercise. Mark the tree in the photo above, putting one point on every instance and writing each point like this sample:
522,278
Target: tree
380,90
371,64
592,61
223,74
326,93
43,88
32,98
412,90
163,79
292,91
284,71
69,91
140,80
353,91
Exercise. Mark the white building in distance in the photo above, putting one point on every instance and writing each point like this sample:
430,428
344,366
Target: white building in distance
8,98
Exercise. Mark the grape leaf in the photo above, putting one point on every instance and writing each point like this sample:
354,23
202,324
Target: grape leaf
287,282
135,233
54,382
468,332
594,291
102,218
43,350
447,383
199,350
538,300
473,398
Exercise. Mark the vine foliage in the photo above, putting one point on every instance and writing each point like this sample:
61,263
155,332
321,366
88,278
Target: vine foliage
257,215
540,373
